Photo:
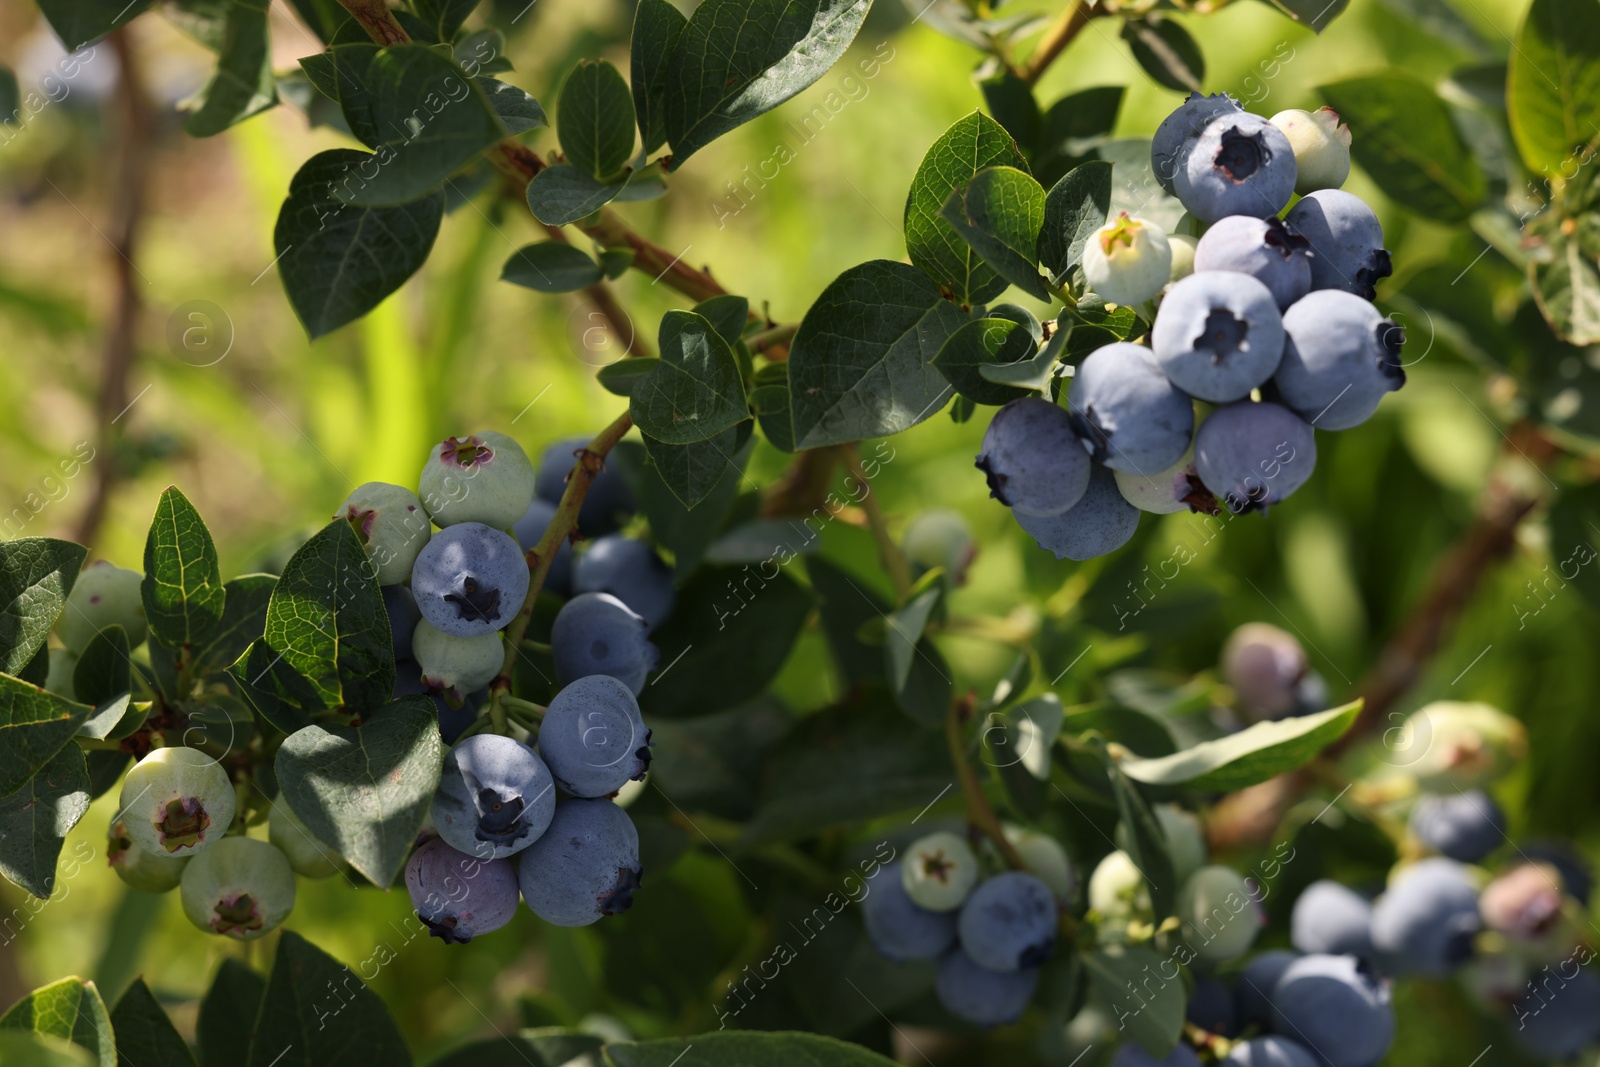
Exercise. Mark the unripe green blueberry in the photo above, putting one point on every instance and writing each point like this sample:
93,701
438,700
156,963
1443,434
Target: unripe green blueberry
940,537
1127,261
1451,745
1321,146
1219,913
139,868
392,526
1046,860
456,666
939,872
242,888
1117,890
1182,246
308,856
177,801
59,678
1186,841
104,595
1167,492
484,477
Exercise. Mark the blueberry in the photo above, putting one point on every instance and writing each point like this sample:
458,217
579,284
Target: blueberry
138,867
606,506
629,570
1558,1017
1167,492
898,927
1427,920
585,868
981,996
530,528
1337,1008
1254,455
940,871
1264,666
1032,458
1340,358
1525,903
401,607
1219,913
595,633
1127,261
1265,249
495,797
1045,859
593,738
1117,888
308,856
1461,744
1331,919
1270,1051
457,896
1182,247
1321,145
392,526
1463,826
1212,1007
452,721
1101,522
470,580
1218,335
1241,164
243,889
1134,1056
1346,241
1256,982
1179,130
177,801
104,595
1186,840
1127,412
483,477
1009,922
452,667
940,537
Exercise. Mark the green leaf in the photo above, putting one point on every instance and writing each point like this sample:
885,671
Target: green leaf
727,314
1553,87
974,143
683,531
339,261
182,588
1074,209
1149,1009
308,991
1409,146
695,391
34,726
244,618
234,998
1566,280
70,1009
904,629
77,22
35,820
104,671
1147,841
519,112
982,344
551,267
861,364
999,213
693,471
26,1049
445,16
714,763
115,717
731,1048
1252,755
620,377
243,83
1074,128
771,406
551,1047
145,1036
564,194
365,790
657,26
36,574
1010,101
1166,52
739,58
595,120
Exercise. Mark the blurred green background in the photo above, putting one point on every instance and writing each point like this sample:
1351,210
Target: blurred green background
266,432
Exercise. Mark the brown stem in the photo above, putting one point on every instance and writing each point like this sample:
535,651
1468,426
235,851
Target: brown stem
894,560
979,811
1067,25
803,487
130,174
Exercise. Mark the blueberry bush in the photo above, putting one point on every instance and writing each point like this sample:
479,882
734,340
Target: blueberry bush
714,709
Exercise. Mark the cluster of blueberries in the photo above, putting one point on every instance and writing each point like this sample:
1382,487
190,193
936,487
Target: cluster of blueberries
1266,321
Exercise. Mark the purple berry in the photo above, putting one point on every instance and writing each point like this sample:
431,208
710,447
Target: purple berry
1427,920
1102,522
1127,412
1009,922
593,738
458,896
495,797
1032,458
1179,130
530,528
897,927
1332,919
981,996
403,618
1218,335
1265,249
1346,241
608,503
595,633
1337,1007
586,867
1241,164
469,580
1270,1051
1465,826
1252,456
629,570
1341,358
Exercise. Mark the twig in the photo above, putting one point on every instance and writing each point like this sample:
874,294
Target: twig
1067,25
605,302
803,487
979,812
894,560
771,337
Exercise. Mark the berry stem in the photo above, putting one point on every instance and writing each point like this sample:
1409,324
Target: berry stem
979,811
1067,25
771,337
894,561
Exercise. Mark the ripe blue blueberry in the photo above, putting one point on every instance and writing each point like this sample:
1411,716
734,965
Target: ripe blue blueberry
900,929
1463,826
1101,522
401,607
1241,164
458,896
530,528
1009,922
483,477
1346,241
1331,919
608,503
1179,130
392,526
495,797
1340,358
593,738
1218,335
1337,1007
242,888
595,633
981,996
1270,1051
177,802
1265,249
1032,458
104,595
1252,456
629,570
1127,412
1212,1007
585,868
1559,1017
1133,1056
1256,983
470,580
1427,920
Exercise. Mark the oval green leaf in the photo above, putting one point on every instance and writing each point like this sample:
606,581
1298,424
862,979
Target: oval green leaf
1252,755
